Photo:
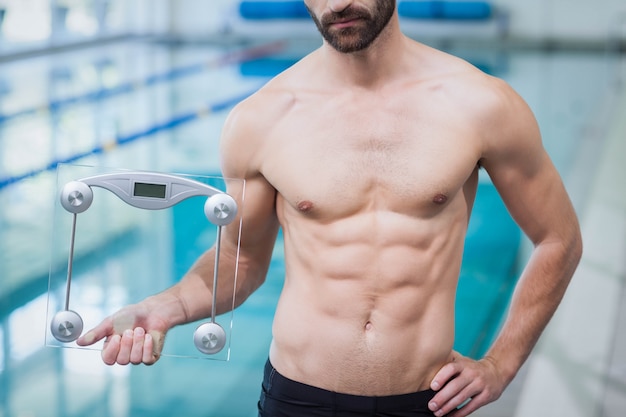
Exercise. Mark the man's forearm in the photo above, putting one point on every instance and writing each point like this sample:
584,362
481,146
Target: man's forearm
536,298
192,298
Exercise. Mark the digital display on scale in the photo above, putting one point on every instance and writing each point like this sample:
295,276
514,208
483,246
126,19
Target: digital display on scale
144,189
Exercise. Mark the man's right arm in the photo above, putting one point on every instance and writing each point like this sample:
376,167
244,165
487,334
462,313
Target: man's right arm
136,333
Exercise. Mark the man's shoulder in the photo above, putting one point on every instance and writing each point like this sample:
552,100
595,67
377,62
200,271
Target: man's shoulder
263,108
253,119
456,76
473,90
272,99
486,102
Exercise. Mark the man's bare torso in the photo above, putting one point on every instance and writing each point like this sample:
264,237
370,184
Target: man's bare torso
375,188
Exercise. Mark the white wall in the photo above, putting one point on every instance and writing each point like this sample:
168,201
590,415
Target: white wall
144,16
566,19
196,18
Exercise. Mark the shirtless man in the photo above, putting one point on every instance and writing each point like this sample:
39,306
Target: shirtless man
366,153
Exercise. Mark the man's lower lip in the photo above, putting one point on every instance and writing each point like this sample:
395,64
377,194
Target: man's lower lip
345,24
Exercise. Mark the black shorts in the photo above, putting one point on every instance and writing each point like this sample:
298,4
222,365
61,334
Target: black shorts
282,397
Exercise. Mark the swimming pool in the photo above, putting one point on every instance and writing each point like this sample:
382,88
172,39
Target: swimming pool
168,119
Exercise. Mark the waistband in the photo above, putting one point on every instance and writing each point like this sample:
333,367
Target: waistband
274,382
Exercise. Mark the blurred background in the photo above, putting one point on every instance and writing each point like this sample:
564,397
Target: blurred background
92,86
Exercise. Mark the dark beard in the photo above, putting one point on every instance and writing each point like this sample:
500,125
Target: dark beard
360,36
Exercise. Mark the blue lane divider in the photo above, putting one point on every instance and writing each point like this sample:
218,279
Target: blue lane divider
266,67
234,57
123,140
434,9
267,10
445,10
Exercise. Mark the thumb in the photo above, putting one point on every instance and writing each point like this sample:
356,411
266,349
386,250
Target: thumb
158,340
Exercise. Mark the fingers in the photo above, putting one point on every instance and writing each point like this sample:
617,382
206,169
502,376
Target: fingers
132,346
96,334
454,396
136,351
444,375
110,349
471,406
463,386
149,354
126,345
455,393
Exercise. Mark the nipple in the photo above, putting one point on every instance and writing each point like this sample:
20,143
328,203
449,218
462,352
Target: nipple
305,206
440,199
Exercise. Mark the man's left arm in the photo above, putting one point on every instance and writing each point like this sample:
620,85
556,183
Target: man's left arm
535,196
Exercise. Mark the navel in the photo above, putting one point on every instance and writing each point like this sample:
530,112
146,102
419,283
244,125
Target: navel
368,326
440,199
305,206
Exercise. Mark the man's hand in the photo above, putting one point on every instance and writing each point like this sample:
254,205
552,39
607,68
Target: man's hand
133,335
467,383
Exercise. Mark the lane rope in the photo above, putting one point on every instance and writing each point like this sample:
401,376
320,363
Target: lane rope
109,145
229,58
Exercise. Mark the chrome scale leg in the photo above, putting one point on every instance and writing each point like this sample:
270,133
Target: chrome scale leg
67,325
210,338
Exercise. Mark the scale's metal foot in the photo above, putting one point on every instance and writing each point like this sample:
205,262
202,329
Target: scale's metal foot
76,197
220,209
209,338
66,326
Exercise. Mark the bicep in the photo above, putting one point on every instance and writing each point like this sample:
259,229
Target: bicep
526,178
536,198
256,226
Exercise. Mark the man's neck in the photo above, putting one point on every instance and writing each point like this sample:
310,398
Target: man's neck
370,66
